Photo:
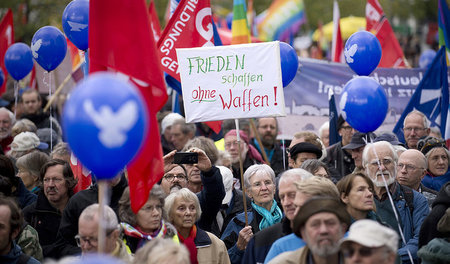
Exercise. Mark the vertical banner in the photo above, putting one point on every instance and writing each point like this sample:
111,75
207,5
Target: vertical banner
228,82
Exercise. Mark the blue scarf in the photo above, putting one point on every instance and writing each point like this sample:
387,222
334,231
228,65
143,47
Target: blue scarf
269,218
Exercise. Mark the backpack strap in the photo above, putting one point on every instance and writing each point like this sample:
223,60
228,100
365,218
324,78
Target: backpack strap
408,195
23,259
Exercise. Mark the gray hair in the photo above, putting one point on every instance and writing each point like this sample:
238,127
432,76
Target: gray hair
205,144
61,149
127,215
370,146
185,127
256,168
110,221
317,186
323,127
426,123
161,250
186,195
33,162
431,151
10,114
296,174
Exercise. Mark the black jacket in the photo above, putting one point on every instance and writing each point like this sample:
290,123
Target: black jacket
45,218
339,162
428,231
65,242
276,163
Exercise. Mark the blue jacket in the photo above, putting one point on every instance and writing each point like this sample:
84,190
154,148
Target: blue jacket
290,242
410,223
231,234
13,256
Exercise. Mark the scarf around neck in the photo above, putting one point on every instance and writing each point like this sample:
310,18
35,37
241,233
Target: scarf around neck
269,218
190,245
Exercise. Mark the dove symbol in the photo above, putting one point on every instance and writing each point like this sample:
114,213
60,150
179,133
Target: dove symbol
113,126
74,26
349,53
35,47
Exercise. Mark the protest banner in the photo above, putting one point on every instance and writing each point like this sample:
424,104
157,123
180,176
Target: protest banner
307,95
238,81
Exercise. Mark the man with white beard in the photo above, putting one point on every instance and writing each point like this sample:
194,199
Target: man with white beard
7,121
380,162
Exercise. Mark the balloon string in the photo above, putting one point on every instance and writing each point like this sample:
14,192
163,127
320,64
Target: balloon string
16,95
390,199
50,117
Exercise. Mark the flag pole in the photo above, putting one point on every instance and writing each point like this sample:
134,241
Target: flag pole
241,169
60,87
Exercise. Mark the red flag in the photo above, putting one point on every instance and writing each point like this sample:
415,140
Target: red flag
377,23
33,83
81,173
154,21
337,48
6,40
190,26
120,39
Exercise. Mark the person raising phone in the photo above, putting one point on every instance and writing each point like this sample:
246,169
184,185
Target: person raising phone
213,192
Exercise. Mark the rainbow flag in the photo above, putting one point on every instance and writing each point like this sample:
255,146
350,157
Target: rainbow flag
444,26
282,20
239,28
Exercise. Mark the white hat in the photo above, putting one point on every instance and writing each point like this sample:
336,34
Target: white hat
227,178
27,141
370,233
169,119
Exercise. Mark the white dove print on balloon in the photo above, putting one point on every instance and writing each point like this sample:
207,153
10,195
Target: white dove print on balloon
113,126
350,52
74,26
35,47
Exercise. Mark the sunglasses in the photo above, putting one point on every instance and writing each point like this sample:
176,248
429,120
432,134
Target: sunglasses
362,251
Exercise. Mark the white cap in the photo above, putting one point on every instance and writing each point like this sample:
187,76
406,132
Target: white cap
26,141
169,119
227,178
370,233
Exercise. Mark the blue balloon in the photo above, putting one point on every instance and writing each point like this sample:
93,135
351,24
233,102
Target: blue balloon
289,63
75,21
2,77
426,58
18,60
105,121
49,47
364,104
362,52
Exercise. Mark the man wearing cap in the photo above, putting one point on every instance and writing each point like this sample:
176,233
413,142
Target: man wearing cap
340,159
25,143
369,242
356,146
411,169
166,126
321,223
304,151
7,120
305,136
415,126
380,162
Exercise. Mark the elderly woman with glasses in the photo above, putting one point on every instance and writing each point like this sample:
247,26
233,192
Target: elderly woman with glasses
259,183
356,193
438,157
183,211
148,223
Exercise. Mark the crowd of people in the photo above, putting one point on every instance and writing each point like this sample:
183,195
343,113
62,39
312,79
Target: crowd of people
366,199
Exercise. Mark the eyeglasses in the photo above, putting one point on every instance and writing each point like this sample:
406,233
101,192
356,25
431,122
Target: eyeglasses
229,144
55,180
171,177
408,167
362,251
415,129
385,162
93,241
